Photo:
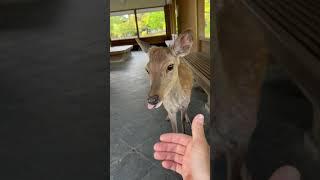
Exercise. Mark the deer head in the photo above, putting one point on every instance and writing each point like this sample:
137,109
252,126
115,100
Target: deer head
163,65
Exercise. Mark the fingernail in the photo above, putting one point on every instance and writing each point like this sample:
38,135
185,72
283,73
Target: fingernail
161,137
164,164
200,119
155,155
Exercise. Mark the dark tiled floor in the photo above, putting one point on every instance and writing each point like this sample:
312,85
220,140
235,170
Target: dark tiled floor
134,129
53,90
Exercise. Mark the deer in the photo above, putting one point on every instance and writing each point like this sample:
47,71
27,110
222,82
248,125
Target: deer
240,60
171,79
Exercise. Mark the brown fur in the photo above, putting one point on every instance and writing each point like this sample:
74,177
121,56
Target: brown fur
173,87
240,60
186,77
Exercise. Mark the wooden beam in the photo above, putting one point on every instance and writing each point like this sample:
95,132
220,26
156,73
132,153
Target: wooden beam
151,40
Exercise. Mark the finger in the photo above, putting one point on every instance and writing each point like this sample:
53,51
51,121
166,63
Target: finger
286,172
168,156
172,166
177,138
169,147
197,127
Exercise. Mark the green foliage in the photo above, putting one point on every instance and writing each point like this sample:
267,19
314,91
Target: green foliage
122,26
149,23
207,18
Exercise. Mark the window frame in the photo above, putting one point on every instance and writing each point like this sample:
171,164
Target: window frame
137,36
137,26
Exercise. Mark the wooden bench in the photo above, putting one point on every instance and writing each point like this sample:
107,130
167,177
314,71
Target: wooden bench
200,66
120,53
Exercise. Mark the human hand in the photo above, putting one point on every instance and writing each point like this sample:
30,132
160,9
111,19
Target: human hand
187,155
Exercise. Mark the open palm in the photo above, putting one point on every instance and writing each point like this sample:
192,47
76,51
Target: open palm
187,155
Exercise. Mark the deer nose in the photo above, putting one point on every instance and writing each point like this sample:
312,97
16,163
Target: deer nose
153,99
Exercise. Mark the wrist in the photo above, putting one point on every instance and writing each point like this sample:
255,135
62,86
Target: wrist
203,176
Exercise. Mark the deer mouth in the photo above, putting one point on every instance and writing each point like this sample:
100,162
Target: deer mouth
154,106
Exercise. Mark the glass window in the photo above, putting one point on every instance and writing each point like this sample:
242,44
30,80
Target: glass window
207,18
151,22
123,25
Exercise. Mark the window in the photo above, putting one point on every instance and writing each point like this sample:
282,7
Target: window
123,25
207,19
151,22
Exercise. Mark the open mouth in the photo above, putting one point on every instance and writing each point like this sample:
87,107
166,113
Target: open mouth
151,106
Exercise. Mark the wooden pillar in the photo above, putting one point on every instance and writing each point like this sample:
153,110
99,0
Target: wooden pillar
201,20
173,19
187,19
167,14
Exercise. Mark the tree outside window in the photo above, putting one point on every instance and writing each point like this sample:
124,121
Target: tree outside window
122,25
151,22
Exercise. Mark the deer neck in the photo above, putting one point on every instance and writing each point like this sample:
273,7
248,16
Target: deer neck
176,92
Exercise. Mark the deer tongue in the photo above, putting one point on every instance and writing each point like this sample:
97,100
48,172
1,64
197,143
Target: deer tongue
151,106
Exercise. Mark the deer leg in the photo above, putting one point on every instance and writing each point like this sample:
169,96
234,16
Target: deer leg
244,172
187,118
229,165
173,120
167,118
182,117
234,165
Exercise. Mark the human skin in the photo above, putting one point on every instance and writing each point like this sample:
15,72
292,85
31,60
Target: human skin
187,155
190,155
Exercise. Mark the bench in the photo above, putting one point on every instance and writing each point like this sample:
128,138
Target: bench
199,63
120,53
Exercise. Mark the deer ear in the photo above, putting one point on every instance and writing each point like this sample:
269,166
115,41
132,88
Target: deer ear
182,45
144,45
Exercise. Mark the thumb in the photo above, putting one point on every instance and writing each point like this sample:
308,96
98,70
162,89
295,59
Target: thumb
197,127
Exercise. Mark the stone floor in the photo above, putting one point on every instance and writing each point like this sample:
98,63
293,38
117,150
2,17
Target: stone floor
53,107
133,128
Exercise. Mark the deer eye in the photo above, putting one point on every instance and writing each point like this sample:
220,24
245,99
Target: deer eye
147,71
170,67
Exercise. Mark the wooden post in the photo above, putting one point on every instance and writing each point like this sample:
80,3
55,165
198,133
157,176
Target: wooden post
167,17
